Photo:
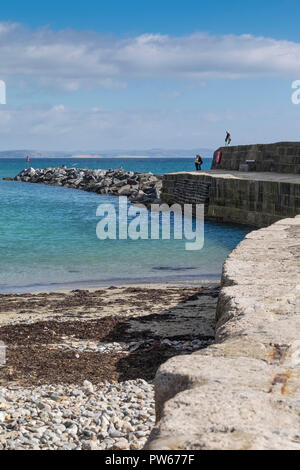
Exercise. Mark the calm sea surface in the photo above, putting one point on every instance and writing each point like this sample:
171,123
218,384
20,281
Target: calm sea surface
48,234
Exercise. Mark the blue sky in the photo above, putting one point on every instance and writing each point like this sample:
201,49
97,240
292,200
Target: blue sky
139,74
276,18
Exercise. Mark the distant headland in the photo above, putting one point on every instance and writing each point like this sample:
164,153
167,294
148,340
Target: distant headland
113,153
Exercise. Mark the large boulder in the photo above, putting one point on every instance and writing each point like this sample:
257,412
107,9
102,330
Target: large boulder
125,190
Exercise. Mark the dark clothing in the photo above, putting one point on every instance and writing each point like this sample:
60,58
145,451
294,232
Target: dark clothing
228,138
198,162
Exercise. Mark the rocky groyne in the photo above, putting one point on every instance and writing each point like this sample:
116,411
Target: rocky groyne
142,188
243,392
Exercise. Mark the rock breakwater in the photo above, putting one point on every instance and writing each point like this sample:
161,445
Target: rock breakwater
143,188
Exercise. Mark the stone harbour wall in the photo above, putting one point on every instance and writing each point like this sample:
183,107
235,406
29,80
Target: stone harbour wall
281,157
257,199
243,392
186,188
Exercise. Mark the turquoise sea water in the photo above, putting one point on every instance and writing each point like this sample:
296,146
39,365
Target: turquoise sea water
48,234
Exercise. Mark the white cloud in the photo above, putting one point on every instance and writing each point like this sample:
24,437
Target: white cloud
58,107
171,95
63,128
71,60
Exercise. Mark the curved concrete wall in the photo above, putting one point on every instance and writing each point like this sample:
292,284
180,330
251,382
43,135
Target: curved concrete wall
244,391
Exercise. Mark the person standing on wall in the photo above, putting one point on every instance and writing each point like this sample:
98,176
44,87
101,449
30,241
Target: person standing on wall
198,162
227,138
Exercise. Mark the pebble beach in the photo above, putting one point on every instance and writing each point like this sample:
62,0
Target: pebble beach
77,417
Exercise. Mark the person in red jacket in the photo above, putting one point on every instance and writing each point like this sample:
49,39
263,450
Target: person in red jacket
27,161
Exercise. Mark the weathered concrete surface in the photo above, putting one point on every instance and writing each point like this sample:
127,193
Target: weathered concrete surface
257,199
280,157
244,391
